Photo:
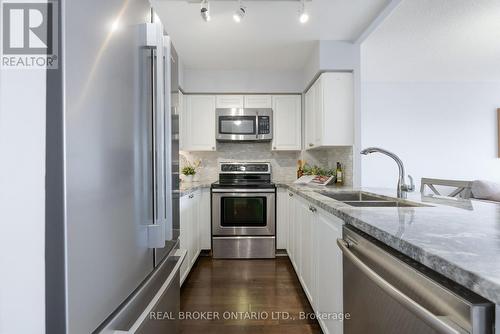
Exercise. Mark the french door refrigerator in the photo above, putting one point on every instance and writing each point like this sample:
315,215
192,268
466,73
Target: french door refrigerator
112,253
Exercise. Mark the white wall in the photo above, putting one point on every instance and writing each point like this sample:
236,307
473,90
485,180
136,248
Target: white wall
441,130
331,56
242,81
22,201
431,83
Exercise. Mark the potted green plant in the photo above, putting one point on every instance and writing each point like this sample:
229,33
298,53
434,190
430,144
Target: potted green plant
189,171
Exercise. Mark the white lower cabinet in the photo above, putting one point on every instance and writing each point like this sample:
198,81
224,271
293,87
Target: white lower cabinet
306,231
194,227
282,219
291,225
329,271
313,251
185,234
205,220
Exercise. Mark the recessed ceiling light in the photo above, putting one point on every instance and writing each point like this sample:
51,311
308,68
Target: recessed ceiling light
205,10
303,16
240,13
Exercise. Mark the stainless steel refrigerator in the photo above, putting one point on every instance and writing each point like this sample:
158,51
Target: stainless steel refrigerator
112,172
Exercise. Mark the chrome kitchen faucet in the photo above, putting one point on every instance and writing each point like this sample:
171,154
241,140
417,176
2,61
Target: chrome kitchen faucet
402,188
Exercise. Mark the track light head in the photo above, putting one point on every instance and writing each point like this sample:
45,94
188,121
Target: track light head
240,13
205,10
303,16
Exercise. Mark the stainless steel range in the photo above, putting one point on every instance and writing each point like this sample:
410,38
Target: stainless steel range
244,211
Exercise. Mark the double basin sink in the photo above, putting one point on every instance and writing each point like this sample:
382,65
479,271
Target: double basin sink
362,199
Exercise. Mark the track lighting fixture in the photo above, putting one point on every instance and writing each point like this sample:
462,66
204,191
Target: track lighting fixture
205,10
240,13
303,16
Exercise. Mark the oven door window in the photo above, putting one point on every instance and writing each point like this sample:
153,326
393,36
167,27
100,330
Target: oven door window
237,125
243,211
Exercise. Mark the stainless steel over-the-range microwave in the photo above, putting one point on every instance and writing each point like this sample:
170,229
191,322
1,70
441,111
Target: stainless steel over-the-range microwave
244,124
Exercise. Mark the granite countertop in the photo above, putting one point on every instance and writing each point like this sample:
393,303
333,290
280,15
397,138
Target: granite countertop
186,188
459,239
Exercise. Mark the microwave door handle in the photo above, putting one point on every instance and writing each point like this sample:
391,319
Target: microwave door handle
414,307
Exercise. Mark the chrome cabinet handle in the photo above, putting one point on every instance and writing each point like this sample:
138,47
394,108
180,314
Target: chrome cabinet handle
424,314
191,196
312,208
290,194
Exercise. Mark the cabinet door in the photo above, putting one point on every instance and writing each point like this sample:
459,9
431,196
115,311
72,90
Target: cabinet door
195,233
282,219
185,235
300,210
291,227
309,117
258,101
287,123
318,110
329,271
200,131
229,101
338,109
205,220
306,257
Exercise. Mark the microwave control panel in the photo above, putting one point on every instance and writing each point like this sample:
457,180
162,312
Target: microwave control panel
264,125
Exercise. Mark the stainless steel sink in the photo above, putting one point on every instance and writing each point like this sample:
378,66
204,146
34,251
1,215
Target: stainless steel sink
362,199
382,204
351,196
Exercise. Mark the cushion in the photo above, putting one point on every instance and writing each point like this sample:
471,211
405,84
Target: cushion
488,190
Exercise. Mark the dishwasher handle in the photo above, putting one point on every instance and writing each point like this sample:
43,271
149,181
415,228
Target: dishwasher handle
431,319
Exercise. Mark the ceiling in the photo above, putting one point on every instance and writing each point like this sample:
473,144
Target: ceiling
436,40
269,37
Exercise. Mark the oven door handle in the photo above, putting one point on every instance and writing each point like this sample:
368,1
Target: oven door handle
427,316
242,190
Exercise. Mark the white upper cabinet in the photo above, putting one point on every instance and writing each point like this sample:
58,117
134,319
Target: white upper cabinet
287,125
197,119
229,101
258,101
309,116
243,101
199,127
330,111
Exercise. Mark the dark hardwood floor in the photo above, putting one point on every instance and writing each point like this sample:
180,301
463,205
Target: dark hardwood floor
245,296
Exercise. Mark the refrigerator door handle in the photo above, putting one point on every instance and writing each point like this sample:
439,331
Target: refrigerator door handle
155,135
156,299
156,230
122,323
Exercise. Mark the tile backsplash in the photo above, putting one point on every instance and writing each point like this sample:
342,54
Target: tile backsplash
284,163
329,157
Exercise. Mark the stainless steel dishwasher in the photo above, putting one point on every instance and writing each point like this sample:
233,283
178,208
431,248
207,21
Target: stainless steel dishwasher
387,292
